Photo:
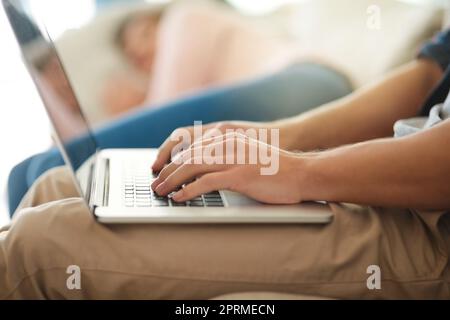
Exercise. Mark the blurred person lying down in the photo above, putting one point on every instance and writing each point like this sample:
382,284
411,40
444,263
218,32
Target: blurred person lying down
186,49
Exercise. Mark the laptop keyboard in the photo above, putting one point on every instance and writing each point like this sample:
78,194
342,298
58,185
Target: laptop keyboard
138,193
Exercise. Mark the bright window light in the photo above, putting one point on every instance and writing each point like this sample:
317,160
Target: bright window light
258,7
62,15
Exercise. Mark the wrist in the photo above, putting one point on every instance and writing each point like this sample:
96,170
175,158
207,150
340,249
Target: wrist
310,175
294,135
287,135
298,174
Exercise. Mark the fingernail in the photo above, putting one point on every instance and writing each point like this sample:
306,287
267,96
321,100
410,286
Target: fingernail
178,195
156,165
159,189
155,184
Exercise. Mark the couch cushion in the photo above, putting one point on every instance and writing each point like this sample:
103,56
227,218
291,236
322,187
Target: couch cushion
340,32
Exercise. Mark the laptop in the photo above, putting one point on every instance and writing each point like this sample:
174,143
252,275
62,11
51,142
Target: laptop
115,183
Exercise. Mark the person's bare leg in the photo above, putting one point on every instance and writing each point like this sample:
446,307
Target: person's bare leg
206,46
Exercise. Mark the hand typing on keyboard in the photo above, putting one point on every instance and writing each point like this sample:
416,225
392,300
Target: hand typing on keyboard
286,185
138,193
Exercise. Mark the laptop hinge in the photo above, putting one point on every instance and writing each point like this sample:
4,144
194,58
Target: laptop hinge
99,185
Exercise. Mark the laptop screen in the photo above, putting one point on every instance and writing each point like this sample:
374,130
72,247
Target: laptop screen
50,78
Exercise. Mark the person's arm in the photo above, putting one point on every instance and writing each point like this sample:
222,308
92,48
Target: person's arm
368,113
412,172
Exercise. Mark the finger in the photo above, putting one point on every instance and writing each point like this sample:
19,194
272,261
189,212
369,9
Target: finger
215,143
167,148
197,155
214,129
174,165
208,139
185,174
212,132
217,154
193,156
165,172
197,147
205,141
207,183
162,156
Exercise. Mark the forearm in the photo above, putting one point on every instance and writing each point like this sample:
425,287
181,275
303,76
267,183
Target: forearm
368,113
408,172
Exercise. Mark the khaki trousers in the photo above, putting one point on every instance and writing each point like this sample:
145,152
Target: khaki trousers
54,230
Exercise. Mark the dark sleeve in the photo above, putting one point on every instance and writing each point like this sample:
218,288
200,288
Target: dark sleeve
438,49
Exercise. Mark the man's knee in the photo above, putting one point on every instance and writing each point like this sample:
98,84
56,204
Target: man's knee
38,229
55,184
59,177
41,244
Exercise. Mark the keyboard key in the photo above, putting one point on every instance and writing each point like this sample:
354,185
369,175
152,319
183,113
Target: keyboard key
143,205
212,196
160,203
178,204
212,193
142,185
218,200
216,204
196,204
147,199
138,192
143,200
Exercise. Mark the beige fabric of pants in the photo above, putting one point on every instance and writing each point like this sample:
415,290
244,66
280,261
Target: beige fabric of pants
53,230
